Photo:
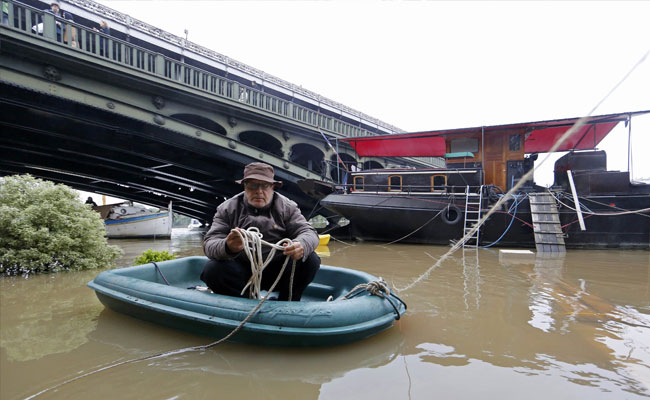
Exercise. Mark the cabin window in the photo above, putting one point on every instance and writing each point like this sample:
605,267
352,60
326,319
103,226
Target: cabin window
463,145
395,183
515,142
358,184
438,183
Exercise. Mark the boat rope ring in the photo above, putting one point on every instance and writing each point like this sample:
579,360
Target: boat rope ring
451,215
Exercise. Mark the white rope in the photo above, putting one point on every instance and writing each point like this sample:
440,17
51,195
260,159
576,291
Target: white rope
611,214
378,288
253,242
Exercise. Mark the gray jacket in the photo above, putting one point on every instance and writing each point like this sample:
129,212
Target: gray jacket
278,220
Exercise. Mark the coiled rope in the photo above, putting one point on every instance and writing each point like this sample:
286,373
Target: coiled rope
253,242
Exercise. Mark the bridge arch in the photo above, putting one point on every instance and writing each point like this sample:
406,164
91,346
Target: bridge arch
372,164
262,141
203,122
349,162
308,156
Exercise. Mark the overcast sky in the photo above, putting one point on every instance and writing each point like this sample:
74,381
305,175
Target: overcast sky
434,65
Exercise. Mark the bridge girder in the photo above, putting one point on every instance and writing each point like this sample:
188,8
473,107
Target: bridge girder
98,126
71,143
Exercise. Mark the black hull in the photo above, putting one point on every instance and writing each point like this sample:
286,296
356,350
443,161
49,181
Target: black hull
423,220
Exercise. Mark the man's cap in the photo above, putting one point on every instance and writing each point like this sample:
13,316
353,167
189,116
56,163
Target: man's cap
260,171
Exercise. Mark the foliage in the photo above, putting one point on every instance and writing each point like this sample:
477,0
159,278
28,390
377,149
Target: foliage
44,227
153,256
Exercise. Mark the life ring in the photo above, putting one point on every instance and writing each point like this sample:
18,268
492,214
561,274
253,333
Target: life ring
451,215
122,211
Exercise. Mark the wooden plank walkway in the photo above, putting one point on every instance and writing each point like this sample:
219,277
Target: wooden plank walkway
549,237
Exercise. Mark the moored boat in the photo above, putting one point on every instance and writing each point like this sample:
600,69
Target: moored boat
195,225
590,206
128,220
143,292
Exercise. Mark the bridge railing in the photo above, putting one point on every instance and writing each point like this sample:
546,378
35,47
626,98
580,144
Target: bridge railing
47,26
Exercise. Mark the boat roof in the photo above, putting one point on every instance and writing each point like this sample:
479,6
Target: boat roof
415,171
539,137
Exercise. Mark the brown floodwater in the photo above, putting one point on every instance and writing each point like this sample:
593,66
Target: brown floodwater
479,325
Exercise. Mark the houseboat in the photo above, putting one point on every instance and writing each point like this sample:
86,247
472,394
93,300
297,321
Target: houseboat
586,207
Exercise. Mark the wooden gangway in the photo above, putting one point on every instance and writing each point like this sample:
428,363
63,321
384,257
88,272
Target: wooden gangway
549,237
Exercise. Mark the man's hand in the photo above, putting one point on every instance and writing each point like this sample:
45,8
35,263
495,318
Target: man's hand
294,250
234,242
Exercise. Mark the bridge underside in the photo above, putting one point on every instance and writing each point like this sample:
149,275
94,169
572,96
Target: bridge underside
100,151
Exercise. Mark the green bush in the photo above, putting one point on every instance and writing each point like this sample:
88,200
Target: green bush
148,256
44,227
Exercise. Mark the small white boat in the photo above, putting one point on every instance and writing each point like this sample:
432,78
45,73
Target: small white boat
194,225
126,220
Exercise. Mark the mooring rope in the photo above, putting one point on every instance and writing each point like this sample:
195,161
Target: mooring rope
605,214
527,176
421,226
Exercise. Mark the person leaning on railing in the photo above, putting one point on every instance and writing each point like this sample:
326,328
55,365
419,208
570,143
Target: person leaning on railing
103,41
67,32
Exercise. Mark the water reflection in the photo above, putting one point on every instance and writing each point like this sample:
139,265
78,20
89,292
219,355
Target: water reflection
472,278
480,325
34,328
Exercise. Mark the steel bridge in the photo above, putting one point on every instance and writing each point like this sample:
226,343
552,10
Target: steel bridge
143,115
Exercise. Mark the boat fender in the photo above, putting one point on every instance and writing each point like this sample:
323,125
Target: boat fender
451,215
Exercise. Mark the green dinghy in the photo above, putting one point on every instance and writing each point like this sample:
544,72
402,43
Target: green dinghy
167,297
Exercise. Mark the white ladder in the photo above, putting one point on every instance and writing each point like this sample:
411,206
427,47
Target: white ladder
472,216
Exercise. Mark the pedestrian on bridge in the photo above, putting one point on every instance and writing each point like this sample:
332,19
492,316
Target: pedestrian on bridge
55,8
277,217
103,41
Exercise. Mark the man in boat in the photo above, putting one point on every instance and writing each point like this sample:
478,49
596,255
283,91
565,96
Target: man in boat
277,217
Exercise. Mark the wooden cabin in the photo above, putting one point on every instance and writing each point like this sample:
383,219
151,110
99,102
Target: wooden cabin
500,155
503,153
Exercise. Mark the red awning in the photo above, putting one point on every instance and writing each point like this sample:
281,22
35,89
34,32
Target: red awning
539,137
402,145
